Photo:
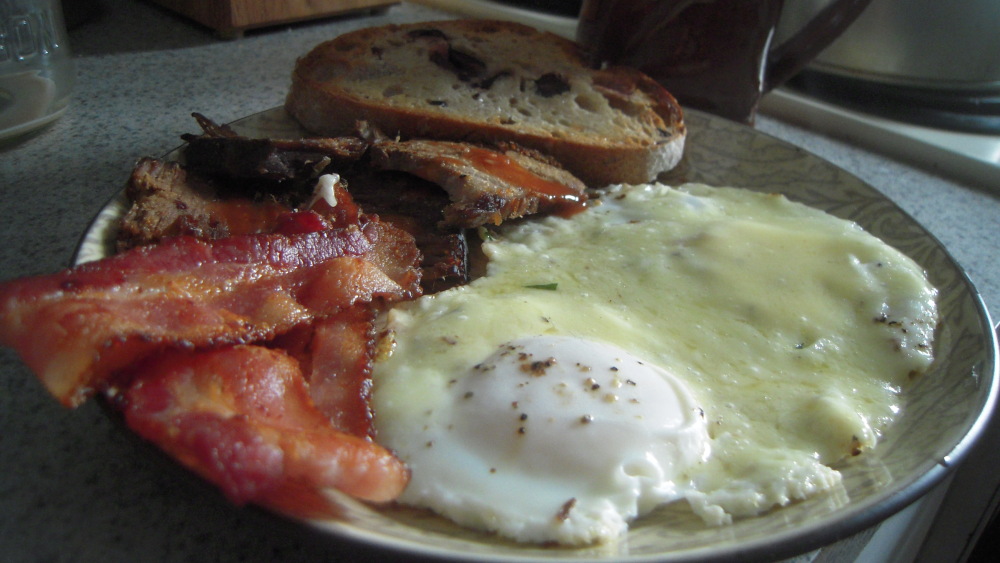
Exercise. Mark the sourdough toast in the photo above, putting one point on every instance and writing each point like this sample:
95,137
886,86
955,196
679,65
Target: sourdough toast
489,81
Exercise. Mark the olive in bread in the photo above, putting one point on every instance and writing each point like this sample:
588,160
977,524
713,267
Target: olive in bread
489,81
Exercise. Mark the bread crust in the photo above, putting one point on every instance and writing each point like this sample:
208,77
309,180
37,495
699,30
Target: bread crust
328,96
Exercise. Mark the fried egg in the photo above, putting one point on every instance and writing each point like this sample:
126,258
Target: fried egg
713,346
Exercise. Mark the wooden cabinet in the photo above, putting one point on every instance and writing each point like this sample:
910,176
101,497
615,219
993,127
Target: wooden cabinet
230,18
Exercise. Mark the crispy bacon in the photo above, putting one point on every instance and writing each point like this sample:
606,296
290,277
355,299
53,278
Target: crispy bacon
242,418
339,373
76,328
336,356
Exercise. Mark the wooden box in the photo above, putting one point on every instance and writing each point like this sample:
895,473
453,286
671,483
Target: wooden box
230,18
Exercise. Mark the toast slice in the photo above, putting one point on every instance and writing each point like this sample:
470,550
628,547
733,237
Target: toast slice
488,81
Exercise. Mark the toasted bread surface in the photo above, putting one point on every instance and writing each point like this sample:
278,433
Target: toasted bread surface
489,81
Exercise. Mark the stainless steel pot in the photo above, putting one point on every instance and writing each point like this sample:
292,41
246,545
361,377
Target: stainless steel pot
928,62
913,43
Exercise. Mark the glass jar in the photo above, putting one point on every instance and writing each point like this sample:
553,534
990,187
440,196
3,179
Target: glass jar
37,71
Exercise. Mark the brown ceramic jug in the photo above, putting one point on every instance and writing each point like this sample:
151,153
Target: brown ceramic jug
713,55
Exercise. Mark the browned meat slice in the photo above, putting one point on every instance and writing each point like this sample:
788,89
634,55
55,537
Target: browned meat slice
433,189
267,159
221,152
486,186
168,200
415,205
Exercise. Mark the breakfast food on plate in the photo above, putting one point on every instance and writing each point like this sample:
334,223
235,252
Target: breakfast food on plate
254,244
611,360
434,190
488,81
287,317
718,346
244,356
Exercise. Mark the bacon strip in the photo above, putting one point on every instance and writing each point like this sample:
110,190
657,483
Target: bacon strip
76,328
339,373
242,418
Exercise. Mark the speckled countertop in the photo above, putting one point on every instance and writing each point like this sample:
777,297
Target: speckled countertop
70,480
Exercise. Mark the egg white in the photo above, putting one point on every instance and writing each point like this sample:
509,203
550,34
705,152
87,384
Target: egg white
792,331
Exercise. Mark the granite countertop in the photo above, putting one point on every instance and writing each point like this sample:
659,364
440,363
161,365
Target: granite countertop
69,480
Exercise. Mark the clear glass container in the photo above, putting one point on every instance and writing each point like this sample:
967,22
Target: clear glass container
37,70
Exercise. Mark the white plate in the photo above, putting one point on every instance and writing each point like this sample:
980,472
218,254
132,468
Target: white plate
944,413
